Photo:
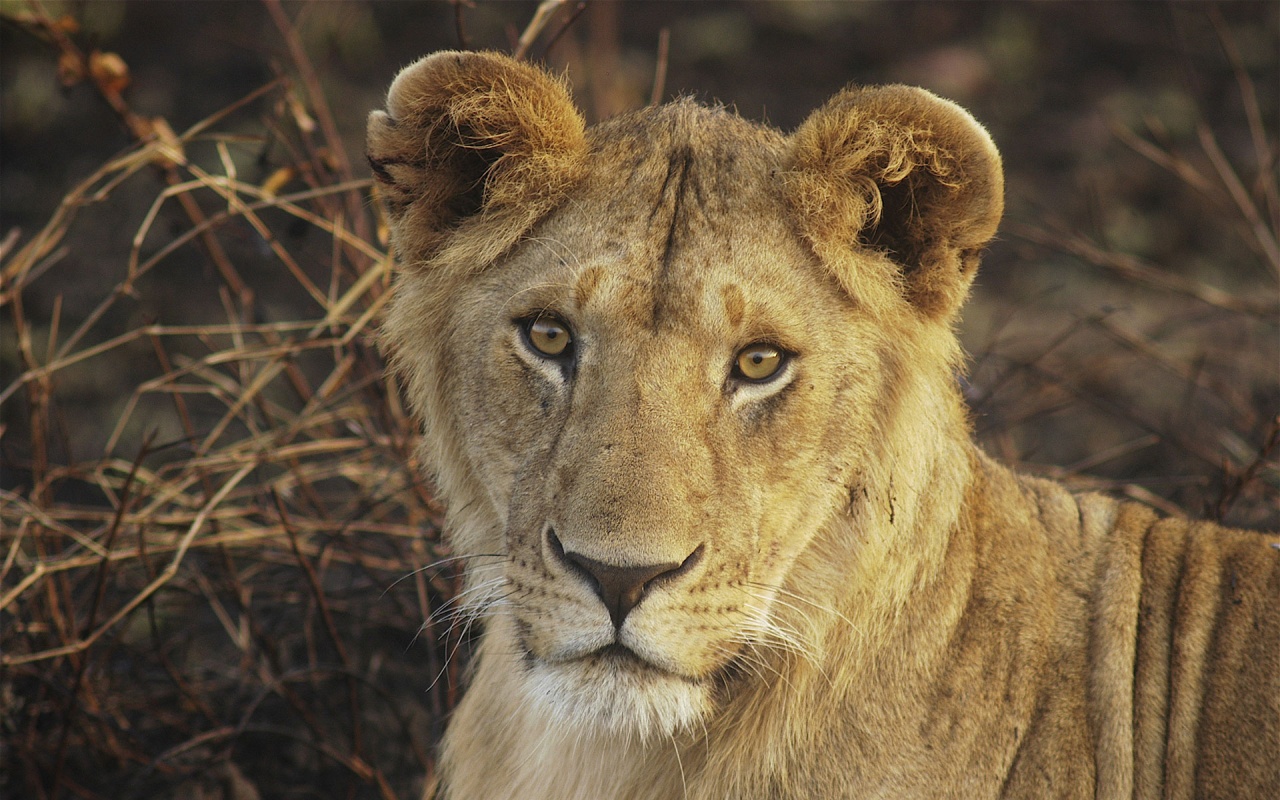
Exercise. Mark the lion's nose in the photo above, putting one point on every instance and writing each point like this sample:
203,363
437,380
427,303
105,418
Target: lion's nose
620,588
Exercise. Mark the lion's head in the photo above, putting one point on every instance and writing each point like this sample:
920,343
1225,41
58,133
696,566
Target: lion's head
661,364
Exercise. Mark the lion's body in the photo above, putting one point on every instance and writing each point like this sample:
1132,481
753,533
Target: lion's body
840,595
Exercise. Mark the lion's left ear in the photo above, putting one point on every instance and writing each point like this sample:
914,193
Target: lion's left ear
897,169
472,150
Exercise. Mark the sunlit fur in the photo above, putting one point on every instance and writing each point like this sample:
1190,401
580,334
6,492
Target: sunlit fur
868,605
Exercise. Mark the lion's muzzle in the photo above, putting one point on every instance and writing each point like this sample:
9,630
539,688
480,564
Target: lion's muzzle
620,588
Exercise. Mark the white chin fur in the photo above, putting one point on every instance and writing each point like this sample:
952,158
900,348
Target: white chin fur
616,698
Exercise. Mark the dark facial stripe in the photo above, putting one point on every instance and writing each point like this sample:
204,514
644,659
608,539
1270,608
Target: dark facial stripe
674,184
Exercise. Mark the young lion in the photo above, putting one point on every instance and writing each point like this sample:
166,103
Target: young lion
687,387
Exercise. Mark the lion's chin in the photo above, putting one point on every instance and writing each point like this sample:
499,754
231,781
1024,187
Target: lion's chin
612,692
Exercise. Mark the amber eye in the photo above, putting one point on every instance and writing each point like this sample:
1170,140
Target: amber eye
548,336
759,361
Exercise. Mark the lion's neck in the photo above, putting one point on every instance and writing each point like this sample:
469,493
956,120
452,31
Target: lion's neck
531,754
893,538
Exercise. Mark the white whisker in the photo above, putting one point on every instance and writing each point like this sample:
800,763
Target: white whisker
440,563
684,784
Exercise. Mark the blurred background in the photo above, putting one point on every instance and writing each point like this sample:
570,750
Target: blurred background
216,547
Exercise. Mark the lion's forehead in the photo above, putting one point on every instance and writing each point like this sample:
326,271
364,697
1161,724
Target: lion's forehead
711,304
680,217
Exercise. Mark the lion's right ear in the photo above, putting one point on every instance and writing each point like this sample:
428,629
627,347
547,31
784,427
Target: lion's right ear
898,170
471,141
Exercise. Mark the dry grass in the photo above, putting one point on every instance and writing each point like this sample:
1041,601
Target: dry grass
238,592
227,593
1170,392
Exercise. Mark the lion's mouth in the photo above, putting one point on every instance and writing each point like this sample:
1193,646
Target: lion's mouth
623,656
615,658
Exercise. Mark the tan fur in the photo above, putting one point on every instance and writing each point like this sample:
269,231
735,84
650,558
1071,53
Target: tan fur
866,605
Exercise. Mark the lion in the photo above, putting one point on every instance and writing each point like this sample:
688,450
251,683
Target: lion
687,388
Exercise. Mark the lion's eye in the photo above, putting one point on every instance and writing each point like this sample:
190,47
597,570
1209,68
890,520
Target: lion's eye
548,335
759,362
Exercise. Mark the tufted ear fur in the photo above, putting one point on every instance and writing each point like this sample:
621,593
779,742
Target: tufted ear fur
897,169
472,143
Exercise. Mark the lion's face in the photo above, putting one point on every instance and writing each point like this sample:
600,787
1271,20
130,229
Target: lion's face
659,409
649,376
